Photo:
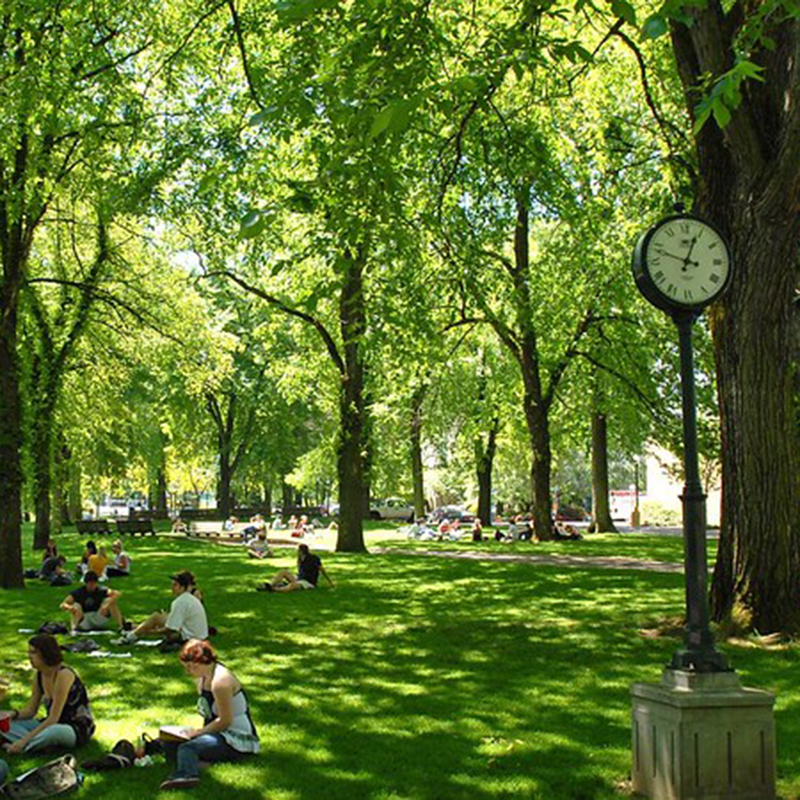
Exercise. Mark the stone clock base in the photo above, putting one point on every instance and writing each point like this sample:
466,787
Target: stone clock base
702,735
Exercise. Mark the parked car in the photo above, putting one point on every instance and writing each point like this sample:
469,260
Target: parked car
452,513
572,514
392,508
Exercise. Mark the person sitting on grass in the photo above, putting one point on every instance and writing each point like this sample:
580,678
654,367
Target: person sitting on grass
179,526
92,607
309,567
98,562
122,562
566,532
477,530
228,733
69,720
186,618
259,546
257,523
53,571
83,564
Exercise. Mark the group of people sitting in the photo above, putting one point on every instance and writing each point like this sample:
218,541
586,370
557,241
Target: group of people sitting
54,569
227,733
519,529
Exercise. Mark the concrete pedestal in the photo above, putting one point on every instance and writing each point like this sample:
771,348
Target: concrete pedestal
702,735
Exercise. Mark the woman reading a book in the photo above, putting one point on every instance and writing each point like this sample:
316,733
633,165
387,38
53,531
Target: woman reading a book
228,733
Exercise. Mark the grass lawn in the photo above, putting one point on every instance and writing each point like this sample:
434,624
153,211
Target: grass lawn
414,678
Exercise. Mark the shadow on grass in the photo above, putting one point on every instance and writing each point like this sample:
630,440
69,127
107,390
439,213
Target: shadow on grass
414,678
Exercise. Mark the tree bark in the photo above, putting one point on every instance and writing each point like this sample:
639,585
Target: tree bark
10,439
484,458
601,507
535,405
42,454
417,472
352,407
14,250
750,187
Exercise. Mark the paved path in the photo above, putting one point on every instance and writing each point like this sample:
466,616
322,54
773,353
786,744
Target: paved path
604,562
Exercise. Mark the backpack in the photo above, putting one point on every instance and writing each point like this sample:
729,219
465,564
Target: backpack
53,628
51,779
121,756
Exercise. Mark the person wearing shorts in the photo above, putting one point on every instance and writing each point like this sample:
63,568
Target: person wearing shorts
92,607
309,567
186,618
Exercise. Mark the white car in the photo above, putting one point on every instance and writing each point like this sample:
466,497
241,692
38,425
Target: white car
392,508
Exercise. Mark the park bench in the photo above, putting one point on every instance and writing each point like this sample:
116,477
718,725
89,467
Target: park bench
134,526
214,530
93,527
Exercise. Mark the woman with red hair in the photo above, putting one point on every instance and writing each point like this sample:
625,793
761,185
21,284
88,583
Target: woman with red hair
228,733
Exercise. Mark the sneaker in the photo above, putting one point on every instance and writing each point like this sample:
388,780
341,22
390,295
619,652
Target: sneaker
265,587
179,783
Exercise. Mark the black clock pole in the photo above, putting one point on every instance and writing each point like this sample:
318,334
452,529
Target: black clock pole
700,654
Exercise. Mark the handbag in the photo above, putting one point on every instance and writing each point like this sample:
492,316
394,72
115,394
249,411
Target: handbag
48,780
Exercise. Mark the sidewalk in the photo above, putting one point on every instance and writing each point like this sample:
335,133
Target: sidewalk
603,562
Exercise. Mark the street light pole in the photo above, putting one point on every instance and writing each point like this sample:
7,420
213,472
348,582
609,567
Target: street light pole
700,654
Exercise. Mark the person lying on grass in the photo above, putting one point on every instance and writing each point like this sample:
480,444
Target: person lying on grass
92,607
228,733
68,722
186,618
309,567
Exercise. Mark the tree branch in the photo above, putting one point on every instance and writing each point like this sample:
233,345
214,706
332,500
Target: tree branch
330,344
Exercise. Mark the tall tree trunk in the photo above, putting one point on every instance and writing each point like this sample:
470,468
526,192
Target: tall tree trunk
750,187
224,486
352,408
601,507
61,515
535,405
10,443
417,473
484,459
74,496
538,424
42,453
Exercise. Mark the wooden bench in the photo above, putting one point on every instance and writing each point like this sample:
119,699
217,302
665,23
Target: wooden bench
134,526
93,527
214,530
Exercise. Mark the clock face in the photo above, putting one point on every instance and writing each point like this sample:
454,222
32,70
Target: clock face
687,260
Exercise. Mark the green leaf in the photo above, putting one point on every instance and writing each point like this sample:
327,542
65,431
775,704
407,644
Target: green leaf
722,114
207,183
381,121
252,224
654,26
625,10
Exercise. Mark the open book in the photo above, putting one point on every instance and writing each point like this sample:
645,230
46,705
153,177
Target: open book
174,733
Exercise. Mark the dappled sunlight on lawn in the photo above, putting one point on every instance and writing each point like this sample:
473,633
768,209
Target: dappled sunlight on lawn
413,678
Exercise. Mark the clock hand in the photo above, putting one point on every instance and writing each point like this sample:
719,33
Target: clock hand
688,259
671,255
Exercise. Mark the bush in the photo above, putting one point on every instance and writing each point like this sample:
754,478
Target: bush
657,514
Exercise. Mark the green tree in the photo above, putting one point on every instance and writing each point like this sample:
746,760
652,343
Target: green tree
738,65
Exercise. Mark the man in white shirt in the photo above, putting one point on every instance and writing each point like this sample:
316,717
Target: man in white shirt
186,618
